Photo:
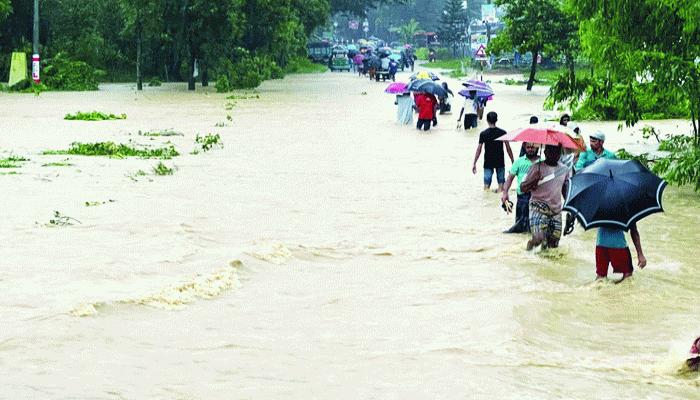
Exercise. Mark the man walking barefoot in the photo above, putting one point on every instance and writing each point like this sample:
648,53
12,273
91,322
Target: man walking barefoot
546,182
519,170
493,153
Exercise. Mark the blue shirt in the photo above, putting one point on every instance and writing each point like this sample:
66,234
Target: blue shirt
612,238
587,158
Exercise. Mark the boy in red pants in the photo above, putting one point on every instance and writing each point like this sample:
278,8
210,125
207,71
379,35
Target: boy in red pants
611,248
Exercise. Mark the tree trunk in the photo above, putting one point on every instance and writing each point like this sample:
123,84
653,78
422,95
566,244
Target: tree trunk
572,72
190,71
139,81
533,69
205,72
179,40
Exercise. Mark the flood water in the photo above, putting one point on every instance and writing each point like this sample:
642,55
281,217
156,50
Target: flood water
324,252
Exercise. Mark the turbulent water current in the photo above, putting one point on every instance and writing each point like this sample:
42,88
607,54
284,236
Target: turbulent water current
323,252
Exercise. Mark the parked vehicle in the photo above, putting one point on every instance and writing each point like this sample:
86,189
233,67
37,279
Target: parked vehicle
319,52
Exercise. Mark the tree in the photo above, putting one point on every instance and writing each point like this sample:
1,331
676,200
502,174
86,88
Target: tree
5,9
646,55
407,31
531,25
453,23
359,8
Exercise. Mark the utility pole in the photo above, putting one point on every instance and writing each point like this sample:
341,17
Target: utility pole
35,57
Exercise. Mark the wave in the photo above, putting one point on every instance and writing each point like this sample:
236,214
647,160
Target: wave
201,286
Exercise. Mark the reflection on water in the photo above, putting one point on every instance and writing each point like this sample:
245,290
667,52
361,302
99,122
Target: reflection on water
324,252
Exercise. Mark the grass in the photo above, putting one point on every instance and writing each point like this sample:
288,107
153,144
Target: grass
302,65
97,203
449,64
61,220
167,132
548,76
162,169
110,149
57,164
244,96
93,116
454,66
10,162
9,173
209,141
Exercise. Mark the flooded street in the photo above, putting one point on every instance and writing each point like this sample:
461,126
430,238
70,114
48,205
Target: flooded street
323,252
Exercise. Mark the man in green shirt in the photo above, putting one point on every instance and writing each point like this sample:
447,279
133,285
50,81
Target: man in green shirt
519,169
597,151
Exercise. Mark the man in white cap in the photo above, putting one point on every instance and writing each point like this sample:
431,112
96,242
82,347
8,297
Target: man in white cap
596,151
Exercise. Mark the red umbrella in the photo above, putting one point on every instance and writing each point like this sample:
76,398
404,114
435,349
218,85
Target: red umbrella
552,134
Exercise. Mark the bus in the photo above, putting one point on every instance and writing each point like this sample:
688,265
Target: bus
319,52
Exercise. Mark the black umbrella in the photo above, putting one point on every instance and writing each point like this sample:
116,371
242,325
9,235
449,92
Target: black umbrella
614,194
373,62
426,86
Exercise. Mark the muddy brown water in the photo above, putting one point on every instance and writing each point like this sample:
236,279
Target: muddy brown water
323,252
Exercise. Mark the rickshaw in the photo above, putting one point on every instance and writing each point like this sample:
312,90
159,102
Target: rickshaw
339,60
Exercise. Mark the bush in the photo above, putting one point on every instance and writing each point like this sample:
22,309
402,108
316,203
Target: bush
422,53
64,74
27,85
155,81
222,85
302,65
442,54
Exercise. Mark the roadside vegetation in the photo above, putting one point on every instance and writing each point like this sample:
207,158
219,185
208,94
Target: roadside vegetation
112,150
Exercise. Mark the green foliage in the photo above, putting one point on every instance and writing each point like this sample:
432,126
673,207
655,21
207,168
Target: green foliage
249,72
422,53
360,7
61,220
11,162
407,31
110,149
5,9
302,65
167,132
162,169
155,81
535,26
57,164
640,42
451,25
592,98
27,85
64,74
676,143
93,116
209,141
222,85
97,203
8,164
244,96
622,154
246,72
681,167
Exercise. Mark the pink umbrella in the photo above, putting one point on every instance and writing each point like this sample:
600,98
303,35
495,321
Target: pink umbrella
553,134
396,88
358,59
